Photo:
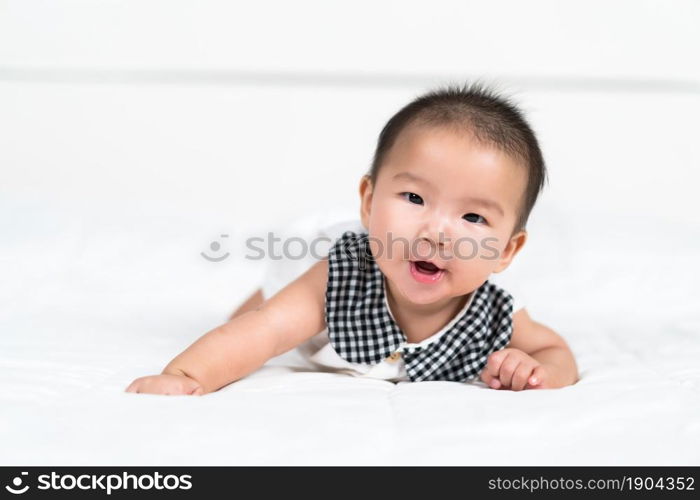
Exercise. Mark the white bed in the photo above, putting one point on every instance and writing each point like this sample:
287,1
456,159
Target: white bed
114,181
88,308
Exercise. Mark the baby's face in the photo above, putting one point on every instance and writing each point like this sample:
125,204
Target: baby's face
426,206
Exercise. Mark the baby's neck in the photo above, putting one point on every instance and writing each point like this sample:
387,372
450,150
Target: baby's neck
418,322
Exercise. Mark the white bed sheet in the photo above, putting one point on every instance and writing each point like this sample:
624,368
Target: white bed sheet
93,299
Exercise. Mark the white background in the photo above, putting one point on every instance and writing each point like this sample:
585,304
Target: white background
267,110
135,132
235,118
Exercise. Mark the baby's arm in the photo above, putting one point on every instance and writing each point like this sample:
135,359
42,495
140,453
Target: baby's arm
536,358
252,302
244,343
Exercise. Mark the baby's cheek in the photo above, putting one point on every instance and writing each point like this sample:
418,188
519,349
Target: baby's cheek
466,249
490,249
477,251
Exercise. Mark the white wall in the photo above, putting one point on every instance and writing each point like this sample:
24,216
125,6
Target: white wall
270,109
540,39
246,115
270,152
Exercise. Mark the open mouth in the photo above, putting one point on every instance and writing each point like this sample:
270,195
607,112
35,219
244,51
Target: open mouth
426,272
426,267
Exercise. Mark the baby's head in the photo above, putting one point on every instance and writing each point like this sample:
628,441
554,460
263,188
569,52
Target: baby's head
455,176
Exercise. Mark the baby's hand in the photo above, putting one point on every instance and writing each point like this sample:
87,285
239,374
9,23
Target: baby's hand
513,369
166,384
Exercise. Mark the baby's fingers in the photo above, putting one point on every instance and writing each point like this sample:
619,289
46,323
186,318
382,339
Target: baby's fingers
144,385
490,380
133,386
494,362
521,376
536,378
166,384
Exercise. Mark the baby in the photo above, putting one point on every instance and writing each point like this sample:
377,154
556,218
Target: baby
454,178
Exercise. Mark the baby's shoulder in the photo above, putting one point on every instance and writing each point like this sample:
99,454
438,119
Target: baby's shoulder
340,229
509,287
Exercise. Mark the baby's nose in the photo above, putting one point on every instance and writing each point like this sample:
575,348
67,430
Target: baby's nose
427,248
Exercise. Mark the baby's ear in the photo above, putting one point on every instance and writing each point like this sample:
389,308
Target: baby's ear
366,190
365,187
515,244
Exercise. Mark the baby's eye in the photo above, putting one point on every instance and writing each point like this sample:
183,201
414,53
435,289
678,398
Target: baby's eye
476,215
413,198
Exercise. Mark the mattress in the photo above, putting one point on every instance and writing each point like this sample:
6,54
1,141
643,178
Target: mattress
95,298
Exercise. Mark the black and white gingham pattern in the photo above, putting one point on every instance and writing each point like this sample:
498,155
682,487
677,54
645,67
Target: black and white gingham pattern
361,329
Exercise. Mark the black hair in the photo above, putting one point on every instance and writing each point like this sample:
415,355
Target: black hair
493,120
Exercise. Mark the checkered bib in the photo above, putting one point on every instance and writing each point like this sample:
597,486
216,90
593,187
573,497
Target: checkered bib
361,329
